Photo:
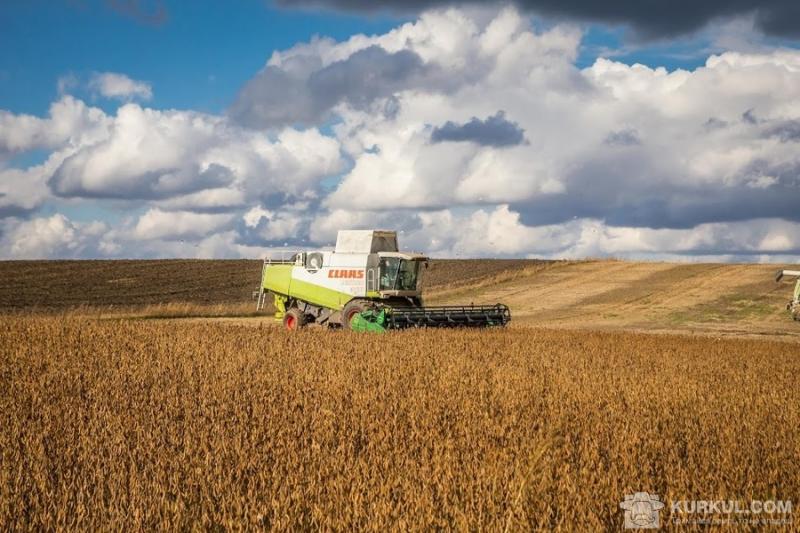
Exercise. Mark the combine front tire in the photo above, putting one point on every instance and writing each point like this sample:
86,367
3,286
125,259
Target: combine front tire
350,311
294,319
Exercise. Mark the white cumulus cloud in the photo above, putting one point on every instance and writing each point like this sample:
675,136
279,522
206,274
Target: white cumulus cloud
119,86
186,158
48,237
471,130
170,225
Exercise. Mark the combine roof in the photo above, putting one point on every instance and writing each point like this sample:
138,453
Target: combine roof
366,241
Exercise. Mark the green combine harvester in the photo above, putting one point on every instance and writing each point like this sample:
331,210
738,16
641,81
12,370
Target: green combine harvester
365,284
794,305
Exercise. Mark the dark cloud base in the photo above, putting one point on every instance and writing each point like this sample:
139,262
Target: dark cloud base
276,98
663,209
649,19
494,131
151,12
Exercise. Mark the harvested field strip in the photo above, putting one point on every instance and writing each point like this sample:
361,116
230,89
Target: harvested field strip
618,294
652,286
449,274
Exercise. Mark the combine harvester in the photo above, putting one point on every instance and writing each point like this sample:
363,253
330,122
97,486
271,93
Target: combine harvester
794,305
365,284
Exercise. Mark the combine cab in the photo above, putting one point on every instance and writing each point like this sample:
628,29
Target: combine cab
365,284
794,305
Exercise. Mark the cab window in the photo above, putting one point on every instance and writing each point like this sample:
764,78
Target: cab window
398,274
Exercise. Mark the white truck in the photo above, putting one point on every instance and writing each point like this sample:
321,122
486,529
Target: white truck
794,305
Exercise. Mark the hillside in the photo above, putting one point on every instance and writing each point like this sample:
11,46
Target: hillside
49,285
56,285
721,298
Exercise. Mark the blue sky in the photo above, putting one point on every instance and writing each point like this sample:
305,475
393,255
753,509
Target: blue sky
192,60
125,136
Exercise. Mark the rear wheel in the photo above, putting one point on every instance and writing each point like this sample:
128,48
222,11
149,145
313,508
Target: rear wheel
294,319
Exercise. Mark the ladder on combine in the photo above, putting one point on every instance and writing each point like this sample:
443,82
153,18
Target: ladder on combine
261,295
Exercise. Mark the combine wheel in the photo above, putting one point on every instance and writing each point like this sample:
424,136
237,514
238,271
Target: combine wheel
294,319
350,311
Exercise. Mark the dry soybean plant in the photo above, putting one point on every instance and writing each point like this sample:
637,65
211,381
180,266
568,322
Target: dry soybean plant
157,424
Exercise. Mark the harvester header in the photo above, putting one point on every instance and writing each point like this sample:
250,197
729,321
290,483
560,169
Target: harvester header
366,283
